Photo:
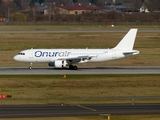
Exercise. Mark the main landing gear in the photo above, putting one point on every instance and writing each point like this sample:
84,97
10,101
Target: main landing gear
30,66
71,67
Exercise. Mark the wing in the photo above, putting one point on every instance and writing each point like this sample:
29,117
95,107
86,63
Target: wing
77,59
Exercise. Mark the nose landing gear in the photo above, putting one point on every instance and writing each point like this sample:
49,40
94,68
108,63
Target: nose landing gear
30,66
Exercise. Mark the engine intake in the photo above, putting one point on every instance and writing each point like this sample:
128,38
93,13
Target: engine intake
58,64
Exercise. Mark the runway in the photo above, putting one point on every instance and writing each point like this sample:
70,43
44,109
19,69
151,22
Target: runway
81,70
55,110
73,31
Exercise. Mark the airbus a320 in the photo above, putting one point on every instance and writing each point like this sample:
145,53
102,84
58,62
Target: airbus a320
63,58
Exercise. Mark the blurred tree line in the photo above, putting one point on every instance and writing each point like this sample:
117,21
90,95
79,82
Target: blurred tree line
15,11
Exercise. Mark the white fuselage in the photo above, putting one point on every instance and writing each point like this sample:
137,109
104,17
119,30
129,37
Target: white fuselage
50,55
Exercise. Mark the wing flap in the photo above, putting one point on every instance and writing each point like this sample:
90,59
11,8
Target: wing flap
87,57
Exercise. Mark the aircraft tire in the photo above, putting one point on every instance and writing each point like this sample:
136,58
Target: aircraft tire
71,67
30,67
75,67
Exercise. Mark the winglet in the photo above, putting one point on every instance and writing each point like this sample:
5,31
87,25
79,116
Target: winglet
128,40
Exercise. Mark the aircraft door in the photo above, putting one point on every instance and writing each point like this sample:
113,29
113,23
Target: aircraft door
31,53
114,54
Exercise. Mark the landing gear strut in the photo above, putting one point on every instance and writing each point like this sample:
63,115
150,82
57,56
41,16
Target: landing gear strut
30,66
71,67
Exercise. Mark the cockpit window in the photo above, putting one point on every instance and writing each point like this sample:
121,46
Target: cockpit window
21,53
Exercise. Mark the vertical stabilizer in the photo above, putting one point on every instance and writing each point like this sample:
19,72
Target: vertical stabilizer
128,40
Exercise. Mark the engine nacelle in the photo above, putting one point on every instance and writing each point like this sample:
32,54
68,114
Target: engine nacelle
58,64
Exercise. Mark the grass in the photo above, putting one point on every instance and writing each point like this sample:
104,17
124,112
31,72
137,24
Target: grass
48,89
75,27
127,117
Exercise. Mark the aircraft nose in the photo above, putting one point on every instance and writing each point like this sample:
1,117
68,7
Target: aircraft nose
16,58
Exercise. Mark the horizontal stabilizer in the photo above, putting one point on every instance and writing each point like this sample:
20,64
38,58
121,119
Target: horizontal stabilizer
134,52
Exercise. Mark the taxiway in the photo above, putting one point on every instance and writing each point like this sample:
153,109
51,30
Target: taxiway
55,110
81,70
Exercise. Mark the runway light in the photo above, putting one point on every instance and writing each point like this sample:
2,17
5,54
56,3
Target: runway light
106,116
64,76
3,96
9,96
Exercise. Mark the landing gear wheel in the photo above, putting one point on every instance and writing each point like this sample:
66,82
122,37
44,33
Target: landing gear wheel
75,67
30,66
71,67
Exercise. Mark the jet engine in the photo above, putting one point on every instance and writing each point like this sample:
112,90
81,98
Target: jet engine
58,64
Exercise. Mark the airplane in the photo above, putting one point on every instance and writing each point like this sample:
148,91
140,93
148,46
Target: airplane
63,58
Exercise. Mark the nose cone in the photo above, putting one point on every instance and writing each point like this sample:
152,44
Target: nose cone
16,58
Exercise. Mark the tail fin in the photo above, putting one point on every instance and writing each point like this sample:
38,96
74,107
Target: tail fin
128,40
